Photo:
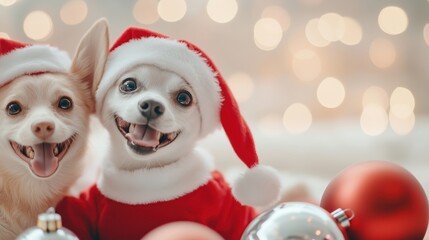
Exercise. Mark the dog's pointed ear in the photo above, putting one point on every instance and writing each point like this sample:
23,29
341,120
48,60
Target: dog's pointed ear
91,55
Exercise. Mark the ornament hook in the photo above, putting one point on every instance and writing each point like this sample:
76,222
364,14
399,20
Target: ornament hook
343,216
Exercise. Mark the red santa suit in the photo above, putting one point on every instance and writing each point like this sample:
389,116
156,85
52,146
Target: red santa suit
127,205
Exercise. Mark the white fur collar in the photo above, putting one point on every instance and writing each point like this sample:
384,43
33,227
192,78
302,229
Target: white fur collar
159,184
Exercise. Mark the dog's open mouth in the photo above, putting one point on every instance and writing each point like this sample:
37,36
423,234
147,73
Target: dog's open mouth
43,158
143,139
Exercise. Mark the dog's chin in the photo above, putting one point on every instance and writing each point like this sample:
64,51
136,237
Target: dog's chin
43,158
142,139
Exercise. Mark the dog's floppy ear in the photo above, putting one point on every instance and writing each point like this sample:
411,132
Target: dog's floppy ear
91,55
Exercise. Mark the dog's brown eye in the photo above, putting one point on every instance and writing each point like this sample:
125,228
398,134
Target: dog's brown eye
128,85
184,98
65,103
13,108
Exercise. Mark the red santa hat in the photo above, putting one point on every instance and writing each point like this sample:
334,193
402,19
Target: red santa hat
260,185
18,59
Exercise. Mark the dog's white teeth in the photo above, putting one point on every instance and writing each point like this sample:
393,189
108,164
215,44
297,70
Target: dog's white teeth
56,150
171,136
155,148
132,127
29,152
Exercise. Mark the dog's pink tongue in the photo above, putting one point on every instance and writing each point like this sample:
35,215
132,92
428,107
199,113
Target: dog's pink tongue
44,163
145,136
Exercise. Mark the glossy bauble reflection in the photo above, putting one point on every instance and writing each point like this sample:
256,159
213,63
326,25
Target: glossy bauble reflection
294,221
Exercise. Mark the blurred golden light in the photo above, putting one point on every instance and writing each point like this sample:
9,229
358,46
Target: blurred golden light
267,33
242,86
402,102
306,65
278,13
331,92
313,34
331,26
297,118
373,120
7,3
271,124
172,10
426,33
4,35
382,53
145,11
393,20
352,32
38,25
74,12
222,11
375,96
402,126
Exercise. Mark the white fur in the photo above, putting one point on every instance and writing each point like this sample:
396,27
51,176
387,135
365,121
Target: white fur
33,59
157,184
169,55
40,94
159,85
260,186
171,171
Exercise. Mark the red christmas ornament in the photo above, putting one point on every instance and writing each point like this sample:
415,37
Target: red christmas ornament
388,202
182,231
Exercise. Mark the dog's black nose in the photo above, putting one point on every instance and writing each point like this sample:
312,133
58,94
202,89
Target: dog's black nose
151,109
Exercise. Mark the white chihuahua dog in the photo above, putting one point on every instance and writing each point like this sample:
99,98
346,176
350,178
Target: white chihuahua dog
156,125
157,97
46,103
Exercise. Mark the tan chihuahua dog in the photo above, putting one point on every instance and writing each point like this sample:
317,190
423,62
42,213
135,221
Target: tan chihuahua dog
46,103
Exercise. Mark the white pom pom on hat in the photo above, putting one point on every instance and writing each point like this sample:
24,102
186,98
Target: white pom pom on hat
18,59
260,185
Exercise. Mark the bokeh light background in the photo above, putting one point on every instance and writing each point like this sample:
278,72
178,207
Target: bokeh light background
322,83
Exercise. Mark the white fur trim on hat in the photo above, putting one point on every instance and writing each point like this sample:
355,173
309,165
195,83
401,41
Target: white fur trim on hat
260,186
32,59
171,55
158,184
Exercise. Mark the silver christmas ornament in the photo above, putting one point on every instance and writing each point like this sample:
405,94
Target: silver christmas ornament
49,227
298,221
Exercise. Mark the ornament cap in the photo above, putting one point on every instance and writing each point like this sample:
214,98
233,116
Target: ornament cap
49,226
342,216
49,221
